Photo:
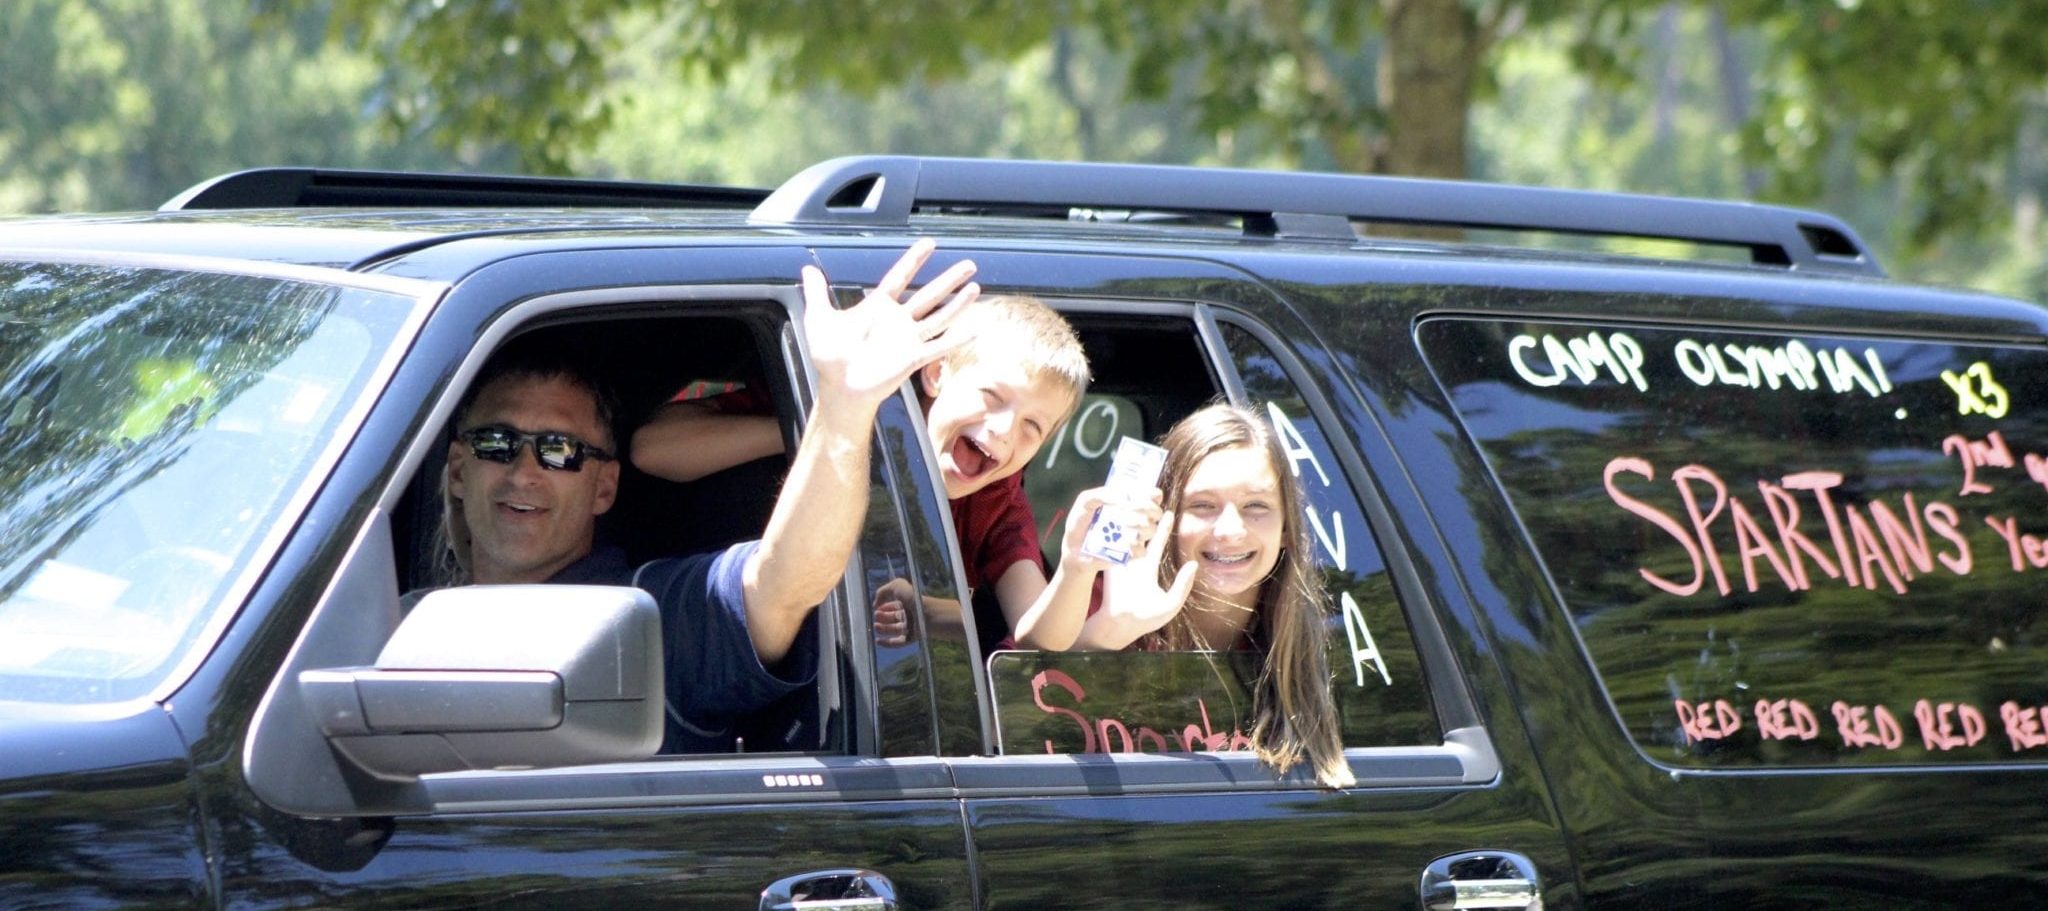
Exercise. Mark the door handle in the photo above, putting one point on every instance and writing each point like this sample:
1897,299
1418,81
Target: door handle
1481,879
831,890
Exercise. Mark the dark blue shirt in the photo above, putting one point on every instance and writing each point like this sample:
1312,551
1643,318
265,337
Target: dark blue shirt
713,677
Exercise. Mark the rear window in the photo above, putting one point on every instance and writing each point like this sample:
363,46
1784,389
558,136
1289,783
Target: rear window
1803,550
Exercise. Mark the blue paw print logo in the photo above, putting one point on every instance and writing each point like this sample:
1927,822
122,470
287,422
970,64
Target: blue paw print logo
1112,533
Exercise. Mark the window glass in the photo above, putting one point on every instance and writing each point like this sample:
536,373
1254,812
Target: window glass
156,425
1137,701
1123,702
1805,550
1075,459
1382,698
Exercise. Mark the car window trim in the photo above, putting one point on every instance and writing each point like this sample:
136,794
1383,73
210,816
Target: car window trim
1465,759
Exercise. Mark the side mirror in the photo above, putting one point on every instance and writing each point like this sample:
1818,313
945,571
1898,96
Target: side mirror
501,676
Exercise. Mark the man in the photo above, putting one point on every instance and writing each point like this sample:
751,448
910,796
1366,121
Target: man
732,621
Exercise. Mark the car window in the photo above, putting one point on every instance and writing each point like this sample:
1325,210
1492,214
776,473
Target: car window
1381,694
1077,458
1137,701
1779,549
727,349
158,424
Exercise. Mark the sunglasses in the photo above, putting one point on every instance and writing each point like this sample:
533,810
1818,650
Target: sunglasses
555,451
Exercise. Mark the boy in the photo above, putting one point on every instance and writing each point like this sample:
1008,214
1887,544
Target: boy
988,406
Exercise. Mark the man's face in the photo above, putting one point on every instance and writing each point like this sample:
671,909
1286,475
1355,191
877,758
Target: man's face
987,420
527,523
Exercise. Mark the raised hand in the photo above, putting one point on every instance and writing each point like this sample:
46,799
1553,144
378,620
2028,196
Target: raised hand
1133,604
864,353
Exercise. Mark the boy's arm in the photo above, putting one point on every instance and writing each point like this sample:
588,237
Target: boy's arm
685,441
1045,613
1049,614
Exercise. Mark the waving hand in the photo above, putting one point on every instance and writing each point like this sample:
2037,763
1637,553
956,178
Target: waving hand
864,353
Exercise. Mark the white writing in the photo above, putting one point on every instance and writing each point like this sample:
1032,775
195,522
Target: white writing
1365,652
1791,364
1581,358
1098,412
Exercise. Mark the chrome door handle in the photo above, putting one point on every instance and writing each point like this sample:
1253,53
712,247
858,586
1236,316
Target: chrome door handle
1481,879
831,890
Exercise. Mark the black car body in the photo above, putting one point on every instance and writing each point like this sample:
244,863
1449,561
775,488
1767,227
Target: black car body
1662,584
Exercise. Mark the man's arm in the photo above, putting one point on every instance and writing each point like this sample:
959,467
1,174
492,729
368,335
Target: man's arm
861,355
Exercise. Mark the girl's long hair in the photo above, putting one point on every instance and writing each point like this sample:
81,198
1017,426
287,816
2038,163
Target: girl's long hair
1294,716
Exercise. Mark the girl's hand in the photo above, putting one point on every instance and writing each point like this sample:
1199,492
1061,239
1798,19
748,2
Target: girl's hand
1132,601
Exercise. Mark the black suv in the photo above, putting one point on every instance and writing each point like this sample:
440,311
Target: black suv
1652,589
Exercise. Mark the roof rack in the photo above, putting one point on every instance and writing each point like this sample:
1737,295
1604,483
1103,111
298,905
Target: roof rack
277,188
882,191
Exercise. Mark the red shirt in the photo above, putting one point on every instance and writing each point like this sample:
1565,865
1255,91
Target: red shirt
996,531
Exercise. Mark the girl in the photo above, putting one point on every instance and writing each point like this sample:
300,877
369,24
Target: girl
1237,534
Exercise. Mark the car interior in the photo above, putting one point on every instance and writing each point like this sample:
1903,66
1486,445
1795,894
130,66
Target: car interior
1152,369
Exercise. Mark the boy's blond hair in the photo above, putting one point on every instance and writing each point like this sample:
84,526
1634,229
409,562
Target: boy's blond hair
1023,328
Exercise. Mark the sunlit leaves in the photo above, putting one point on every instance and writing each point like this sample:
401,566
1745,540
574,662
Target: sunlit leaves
119,104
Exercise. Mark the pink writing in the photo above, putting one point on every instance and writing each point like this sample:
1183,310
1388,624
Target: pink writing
2024,725
1855,723
1938,723
1778,541
1785,719
1990,452
1708,720
1112,735
2026,550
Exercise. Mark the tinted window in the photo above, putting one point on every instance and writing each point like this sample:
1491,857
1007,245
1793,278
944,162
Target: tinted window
1176,702
1382,698
1780,549
1075,459
157,425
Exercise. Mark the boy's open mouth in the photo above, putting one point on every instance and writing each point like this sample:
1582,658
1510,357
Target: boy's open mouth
969,459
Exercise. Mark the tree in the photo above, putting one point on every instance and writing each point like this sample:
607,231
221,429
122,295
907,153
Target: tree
1934,92
119,104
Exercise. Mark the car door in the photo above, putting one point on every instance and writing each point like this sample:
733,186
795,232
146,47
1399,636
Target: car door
826,815
1086,793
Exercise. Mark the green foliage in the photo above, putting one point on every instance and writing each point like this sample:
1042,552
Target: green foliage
1907,108
1685,116
121,103
1934,93
1921,123
481,72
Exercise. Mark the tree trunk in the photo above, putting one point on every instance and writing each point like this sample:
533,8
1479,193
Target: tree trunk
1426,72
